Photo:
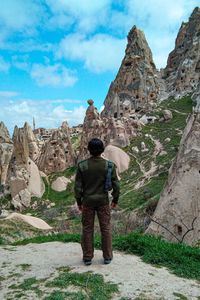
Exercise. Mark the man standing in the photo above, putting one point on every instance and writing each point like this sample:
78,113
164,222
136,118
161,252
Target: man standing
91,192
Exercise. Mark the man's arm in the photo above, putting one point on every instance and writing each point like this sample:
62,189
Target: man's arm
78,188
115,186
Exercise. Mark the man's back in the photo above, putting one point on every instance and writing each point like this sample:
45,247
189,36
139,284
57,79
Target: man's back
91,175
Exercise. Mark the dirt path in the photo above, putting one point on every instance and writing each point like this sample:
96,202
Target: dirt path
132,276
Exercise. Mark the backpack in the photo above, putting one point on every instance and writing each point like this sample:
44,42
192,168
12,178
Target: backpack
108,181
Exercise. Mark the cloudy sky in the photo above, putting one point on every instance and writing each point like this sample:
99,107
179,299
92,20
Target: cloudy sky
56,54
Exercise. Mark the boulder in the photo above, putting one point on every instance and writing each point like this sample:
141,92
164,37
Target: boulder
33,221
60,184
167,114
118,156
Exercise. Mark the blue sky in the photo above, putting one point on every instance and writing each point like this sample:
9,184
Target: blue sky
56,54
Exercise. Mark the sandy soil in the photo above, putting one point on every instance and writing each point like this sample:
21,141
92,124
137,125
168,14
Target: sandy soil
133,276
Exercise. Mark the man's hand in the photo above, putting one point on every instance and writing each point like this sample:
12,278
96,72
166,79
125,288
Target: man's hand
80,207
113,205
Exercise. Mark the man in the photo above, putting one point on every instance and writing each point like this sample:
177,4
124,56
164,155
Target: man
91,192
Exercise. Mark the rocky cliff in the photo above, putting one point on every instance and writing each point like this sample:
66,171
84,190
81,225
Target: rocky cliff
136,85
110,130
6,149
57,154
182,73
177,216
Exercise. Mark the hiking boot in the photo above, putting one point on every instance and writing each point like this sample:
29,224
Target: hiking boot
87,262
107,261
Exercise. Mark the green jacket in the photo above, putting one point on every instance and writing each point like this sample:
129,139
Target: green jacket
90,181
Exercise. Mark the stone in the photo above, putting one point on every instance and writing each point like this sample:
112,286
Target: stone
33,221
182,73
108,129
167,140
118,156
22,200
57,153
167,114
6,150
178,207
16,185
60,184
36,185
136,84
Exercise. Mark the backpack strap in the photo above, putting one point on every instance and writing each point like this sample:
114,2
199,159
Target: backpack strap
83,165
108,181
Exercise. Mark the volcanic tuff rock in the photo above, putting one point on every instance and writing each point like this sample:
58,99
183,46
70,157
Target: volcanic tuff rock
178,210
22,170
110,130
6,149
136,84
32,142
57,153
182,72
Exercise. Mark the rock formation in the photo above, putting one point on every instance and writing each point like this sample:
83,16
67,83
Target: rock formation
182,72
136,84
32,142
57,153
108,129
23,176
177,216
6,149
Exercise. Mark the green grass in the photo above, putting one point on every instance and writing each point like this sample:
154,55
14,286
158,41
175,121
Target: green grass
180,296
92,286
182,260
84,286
159,131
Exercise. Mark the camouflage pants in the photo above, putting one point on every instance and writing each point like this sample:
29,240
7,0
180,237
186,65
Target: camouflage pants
88,217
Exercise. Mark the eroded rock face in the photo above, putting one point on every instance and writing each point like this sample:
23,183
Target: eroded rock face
57,153
182,73
6,149
178,209
136,85
108,129
32,143
23,176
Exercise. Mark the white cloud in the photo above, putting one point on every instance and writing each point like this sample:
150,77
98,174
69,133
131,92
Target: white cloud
99,53
48,116
86,14
160,21
4,66
20,15
53,75
8,94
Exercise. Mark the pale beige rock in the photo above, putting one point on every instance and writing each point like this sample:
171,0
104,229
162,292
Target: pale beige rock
136,85
33,221
167,114
16,185
109,130
6,150
36,185
178,207
118,156
60,184
22,200
182,73
57,153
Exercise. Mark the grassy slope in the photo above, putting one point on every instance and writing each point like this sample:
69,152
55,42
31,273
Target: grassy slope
150,192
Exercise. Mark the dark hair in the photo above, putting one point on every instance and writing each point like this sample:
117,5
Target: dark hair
95,147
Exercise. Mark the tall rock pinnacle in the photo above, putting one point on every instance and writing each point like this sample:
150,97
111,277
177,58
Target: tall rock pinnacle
136,81
182,72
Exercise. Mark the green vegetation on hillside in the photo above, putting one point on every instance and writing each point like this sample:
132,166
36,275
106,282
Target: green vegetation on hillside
169,135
